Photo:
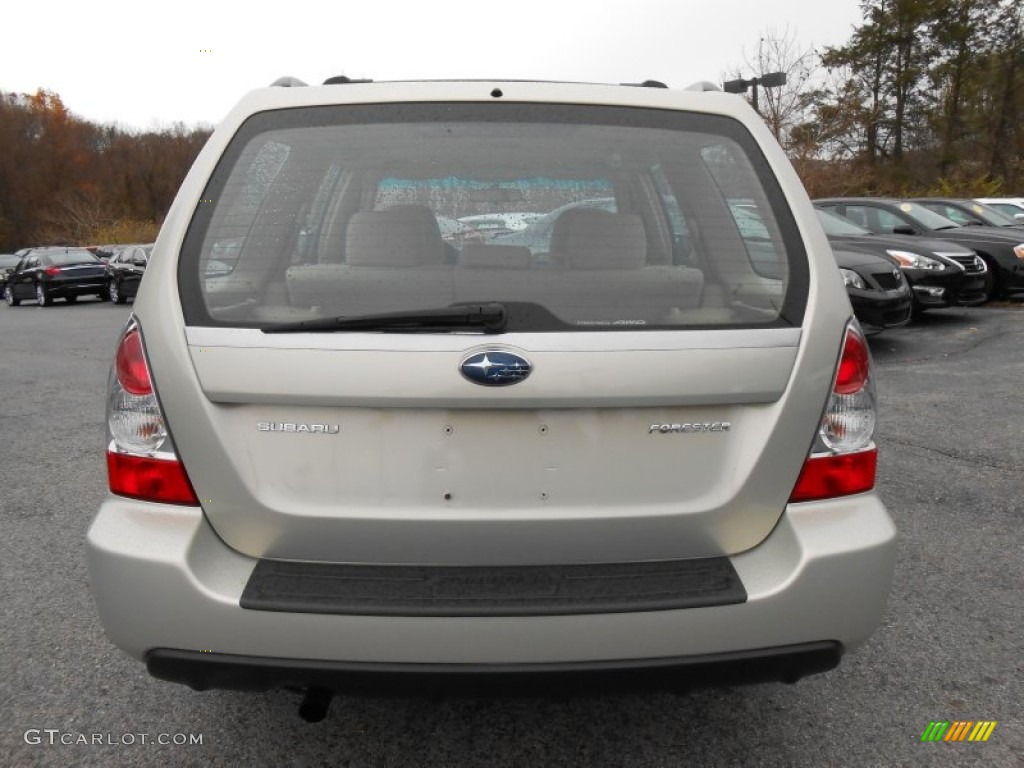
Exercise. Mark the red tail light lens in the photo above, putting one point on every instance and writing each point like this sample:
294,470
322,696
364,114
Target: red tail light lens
132,371
148,478
52,271
825,477
854,365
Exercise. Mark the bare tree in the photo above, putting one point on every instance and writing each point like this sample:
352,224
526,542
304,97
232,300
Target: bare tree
72,216
785,106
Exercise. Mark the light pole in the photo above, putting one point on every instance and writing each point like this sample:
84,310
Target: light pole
768,80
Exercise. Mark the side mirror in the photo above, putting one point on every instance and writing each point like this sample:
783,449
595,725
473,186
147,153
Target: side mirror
904,229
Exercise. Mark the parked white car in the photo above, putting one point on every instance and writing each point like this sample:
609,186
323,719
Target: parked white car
512,221
348,464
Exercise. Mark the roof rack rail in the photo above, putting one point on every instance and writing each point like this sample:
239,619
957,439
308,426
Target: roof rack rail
343,80
647,84
287,82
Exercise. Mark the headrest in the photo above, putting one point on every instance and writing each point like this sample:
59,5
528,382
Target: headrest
597,239
404,236
480,255
560,231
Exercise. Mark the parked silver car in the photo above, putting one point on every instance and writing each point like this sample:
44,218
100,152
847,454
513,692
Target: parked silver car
347,464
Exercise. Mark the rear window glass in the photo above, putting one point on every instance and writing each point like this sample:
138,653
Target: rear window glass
577,218
71,256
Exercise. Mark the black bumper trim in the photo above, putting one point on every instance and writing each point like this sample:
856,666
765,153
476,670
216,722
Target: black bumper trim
881,314
548,590
201,671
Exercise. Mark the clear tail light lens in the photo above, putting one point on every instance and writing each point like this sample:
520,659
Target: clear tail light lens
844,459
141,459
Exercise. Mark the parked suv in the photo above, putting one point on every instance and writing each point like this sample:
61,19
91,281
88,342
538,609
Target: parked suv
345,463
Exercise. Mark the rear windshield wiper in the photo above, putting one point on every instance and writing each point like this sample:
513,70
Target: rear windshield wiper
490,318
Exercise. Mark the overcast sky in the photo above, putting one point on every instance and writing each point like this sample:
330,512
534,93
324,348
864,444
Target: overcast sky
146,65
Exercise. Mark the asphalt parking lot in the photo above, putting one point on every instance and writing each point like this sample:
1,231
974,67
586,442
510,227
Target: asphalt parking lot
950,648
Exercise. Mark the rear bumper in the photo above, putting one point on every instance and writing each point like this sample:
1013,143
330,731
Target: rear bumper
168,591
202,671
83,287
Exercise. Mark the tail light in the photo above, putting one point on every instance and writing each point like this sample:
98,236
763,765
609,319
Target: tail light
843,459
52,271
141,459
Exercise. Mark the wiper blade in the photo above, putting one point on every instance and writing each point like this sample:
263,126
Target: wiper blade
490,318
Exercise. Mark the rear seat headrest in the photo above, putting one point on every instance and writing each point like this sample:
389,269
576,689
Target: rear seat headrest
404,236
480,255
597,239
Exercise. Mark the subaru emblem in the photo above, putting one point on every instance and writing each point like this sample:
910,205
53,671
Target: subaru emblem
495,368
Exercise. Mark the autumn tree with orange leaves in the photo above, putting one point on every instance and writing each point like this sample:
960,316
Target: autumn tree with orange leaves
65,180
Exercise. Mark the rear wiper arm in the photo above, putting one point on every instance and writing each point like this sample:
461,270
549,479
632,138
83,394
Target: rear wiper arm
491,318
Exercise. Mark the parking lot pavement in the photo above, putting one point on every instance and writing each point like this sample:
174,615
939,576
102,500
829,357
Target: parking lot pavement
950,648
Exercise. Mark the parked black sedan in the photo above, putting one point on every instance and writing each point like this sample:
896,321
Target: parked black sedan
1002,249
940,274
877,289
124,272
45,274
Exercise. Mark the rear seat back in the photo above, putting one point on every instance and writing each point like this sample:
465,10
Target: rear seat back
393,261
607,278
482,256
495,273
